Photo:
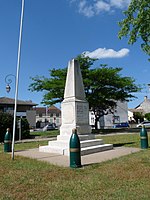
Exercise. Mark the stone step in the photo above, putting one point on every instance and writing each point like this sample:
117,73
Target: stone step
95,149
88,143
84,151
85,143
86,137
52,149
87,147
59,143
92,149
81,137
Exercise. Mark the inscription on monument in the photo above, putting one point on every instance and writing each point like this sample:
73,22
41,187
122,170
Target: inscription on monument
82,113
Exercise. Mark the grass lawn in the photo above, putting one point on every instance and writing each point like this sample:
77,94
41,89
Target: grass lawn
125,178
128,140
51,133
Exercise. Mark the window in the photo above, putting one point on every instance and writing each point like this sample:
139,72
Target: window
57,114
116,119
40,114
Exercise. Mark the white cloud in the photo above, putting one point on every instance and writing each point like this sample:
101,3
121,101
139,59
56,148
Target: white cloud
101,6
120,3
86,10
106,53
90,8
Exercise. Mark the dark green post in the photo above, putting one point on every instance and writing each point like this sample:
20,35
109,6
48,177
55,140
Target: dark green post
144,138
75,151
7,141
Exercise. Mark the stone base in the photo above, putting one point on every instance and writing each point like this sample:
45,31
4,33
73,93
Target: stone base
81,129
88,145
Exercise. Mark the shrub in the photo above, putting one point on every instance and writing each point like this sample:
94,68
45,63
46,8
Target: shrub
6,121
138,117
147,116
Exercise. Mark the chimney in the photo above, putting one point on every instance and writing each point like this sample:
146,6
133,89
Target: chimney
145,98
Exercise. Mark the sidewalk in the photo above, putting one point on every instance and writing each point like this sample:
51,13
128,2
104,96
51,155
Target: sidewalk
62,160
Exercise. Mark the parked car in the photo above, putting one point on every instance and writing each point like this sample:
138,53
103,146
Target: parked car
122,125
49,127
145,123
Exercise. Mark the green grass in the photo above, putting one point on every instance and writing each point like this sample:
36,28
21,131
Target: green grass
24,146
51,133
127,140
125,178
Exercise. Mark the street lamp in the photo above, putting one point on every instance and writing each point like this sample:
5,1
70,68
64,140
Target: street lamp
8,81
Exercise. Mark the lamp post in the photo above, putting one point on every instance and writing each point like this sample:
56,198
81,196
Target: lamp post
8,81
17,77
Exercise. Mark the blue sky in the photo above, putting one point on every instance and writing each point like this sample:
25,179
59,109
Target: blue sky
55,31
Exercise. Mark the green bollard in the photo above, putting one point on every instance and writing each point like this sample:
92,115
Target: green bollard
144,138
7,141
75,151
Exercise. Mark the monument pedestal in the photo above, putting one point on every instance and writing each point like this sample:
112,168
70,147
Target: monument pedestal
88,146
75,114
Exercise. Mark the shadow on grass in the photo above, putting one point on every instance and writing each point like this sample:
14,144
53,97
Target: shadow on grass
122,144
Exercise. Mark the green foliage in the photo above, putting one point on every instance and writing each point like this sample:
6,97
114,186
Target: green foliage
137,23
103,85
138,116
6,121
147,116
54,86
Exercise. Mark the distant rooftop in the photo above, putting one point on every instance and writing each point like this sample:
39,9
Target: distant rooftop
10,101
52,109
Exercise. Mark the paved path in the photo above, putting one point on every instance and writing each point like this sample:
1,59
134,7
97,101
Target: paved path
62,160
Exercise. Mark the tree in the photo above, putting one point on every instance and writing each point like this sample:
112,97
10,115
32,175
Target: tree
53,86
137,23
138,116
104,86
147,116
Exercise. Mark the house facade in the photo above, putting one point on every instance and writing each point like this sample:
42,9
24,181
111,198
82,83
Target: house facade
119,115
144,106
24,109
45,115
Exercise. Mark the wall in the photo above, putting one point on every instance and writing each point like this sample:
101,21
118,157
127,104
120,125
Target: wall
31,117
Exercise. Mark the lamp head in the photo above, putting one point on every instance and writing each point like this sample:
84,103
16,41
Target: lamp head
8,88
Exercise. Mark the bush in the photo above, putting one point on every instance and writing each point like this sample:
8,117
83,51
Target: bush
138,117
147,116
6,121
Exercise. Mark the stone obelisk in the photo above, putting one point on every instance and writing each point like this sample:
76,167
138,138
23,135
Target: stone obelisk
75,114
74,108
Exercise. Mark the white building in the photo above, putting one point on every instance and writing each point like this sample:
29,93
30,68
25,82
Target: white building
46,115
108,121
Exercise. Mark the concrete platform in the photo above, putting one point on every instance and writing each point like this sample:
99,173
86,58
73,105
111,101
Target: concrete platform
62,160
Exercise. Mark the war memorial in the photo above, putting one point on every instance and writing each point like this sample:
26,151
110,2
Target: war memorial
75,114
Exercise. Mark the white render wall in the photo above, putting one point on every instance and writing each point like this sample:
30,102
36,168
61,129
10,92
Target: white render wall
121,111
